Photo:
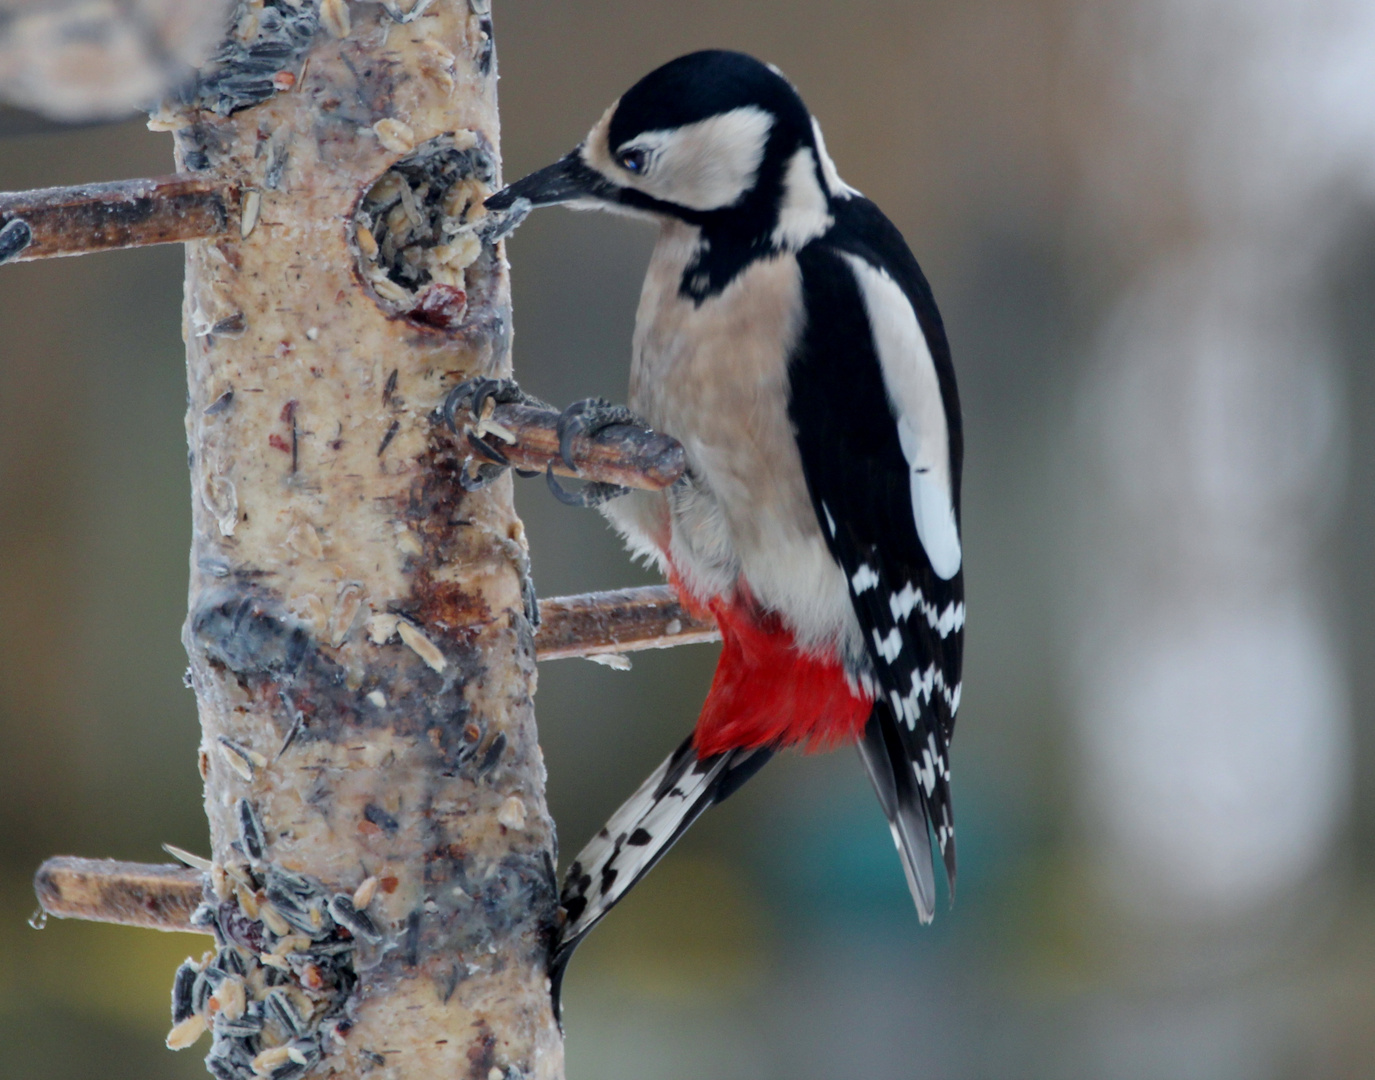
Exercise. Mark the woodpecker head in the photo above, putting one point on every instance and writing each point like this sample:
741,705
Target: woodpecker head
714,138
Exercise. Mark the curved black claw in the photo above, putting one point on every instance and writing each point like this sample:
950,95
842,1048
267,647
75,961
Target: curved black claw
481,476
475,393
593,494
485,389
462,412
589,417
482,446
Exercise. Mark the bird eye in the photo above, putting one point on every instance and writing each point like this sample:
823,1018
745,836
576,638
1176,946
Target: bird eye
634,161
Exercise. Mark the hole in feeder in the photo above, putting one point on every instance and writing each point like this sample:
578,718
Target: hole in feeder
421,232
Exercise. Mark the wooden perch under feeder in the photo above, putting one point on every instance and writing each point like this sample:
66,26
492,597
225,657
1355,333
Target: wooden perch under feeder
362,629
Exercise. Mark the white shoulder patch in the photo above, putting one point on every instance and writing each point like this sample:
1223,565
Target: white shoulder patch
909,374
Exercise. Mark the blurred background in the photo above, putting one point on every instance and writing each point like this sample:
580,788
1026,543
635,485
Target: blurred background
1151,227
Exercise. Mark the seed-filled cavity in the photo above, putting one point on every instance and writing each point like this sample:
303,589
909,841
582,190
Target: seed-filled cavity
422,226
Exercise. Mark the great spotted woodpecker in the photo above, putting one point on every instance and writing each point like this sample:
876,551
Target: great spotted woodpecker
788,339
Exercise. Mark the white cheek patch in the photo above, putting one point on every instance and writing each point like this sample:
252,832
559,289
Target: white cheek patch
909,374
706,165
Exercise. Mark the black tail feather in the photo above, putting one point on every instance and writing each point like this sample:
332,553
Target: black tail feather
900,795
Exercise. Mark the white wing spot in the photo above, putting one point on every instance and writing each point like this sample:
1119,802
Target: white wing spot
903,603
907,709
925,773
865,578
928,682
890,647
911,708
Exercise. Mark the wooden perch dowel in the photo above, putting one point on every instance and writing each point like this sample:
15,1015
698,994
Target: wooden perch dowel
627,620
129,213
131,894
624,454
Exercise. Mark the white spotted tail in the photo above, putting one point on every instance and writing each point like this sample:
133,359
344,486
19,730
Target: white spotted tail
639,834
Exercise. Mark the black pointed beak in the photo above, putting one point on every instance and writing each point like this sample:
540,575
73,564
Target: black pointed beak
569,179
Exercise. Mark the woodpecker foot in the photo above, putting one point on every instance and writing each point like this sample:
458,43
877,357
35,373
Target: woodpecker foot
593,494
471,397
590,417
467,410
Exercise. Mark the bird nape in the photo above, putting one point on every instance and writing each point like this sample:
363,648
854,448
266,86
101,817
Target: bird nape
788,339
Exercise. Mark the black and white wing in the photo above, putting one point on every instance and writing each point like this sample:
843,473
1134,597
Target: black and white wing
639,834
877,419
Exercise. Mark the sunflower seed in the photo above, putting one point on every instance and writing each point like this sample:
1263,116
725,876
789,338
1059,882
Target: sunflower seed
296,883
353,920
273,920
248,901
186,1033
252,204
182,986
334,16
269,1060
243,1028
205,866
362,896
228,959
241,759
222,1069
250,830
230,996
280,1008
205,917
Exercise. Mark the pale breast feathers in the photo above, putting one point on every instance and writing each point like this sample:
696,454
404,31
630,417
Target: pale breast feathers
714,374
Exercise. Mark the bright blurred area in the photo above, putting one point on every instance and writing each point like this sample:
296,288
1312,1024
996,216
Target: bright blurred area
1151,227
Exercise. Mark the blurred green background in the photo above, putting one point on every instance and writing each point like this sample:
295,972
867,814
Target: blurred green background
1150,228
